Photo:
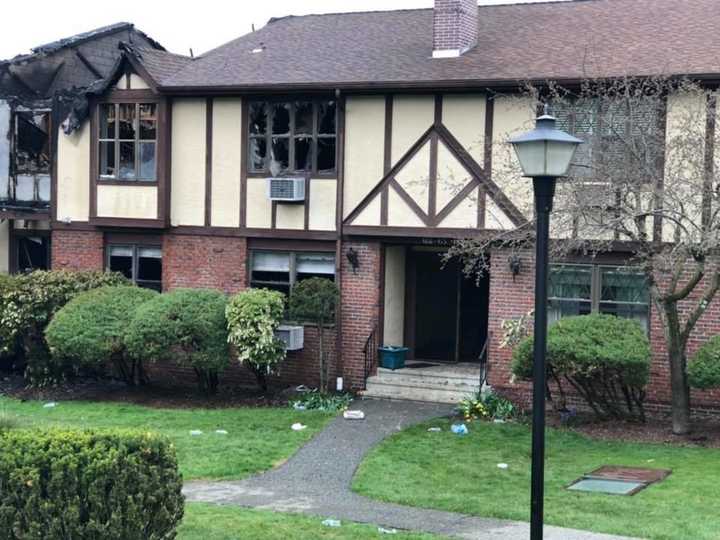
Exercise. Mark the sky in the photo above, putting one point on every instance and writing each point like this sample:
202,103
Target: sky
178,25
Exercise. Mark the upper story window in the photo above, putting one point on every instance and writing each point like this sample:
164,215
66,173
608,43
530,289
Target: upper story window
128,141
287,137
580,289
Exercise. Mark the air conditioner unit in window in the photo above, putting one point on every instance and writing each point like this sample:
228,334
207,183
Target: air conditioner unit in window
286,189
292,336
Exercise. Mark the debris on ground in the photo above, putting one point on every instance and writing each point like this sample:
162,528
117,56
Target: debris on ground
299,406
332,523
50,405
383,530
459,429
435,429
297,426
502,466
195,432
354,415
221,432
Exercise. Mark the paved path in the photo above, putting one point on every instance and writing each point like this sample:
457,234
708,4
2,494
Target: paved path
317,479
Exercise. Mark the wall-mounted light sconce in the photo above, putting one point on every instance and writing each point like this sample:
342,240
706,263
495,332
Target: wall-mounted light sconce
353,259
515,265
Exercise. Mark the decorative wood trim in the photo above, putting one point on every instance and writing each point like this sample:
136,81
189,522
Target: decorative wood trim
339,210
54,136
306,209
130,96
243,162
659,188
273,215
387,155
438,111
456,201
710,126
141,183
414,149
291,245
128,222
208,160
165,188
432,177
414,232
232,232
415,207
140,70
488,154
85,62
94,151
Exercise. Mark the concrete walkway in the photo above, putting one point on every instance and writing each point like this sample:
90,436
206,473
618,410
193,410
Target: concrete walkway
317,480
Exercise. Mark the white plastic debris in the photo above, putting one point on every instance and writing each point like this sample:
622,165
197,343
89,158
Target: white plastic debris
221,432
383,530
499,421
354,415
435,429
297,426
299,406
502,466
332,523
50,405
195,432
459,429
302,389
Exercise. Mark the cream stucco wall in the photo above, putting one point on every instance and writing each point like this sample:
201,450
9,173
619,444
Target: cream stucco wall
226,167
138,83
394,318
364,148
4,247
259,207
135,201
452,177
412,116
187,205
73,174
400,214
322,205
290,216
415,179
464,116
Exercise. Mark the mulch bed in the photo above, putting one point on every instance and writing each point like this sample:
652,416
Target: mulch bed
151,395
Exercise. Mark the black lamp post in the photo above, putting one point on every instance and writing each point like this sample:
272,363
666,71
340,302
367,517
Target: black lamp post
544,154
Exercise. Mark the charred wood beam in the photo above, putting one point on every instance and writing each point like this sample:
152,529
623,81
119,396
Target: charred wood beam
22,83
54,78
85,62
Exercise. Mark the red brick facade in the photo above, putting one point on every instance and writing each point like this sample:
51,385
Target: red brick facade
455,25
77,250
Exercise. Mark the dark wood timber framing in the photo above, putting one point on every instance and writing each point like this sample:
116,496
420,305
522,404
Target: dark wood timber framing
339,209
387,157
660,185
306,217
487,165
208,160
243,162
710,127
432,174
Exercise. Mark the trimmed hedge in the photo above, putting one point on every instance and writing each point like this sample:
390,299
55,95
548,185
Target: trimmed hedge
187,326
606,359
88,486
90,329
704,369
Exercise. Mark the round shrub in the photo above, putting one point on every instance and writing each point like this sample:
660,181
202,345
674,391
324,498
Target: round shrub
606,359
28,303
186,326
704,369
100,485
252,318
89,330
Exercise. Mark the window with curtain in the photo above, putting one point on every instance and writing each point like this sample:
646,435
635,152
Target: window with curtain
280,270
576,289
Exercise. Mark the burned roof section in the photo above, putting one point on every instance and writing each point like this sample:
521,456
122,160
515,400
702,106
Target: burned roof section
547,40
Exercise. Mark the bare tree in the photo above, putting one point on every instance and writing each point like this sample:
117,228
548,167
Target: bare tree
645,181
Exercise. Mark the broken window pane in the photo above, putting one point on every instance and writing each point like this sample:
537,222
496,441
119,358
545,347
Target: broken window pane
258,153
127,160
25,188
258,119
326,121
32,253
281,118
32,142
303,118
303,154
43,187
127,121
279,155
147,160
107,121
107,159
326,154
121,260
148,121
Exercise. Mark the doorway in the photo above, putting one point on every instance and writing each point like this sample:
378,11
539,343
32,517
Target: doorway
447,313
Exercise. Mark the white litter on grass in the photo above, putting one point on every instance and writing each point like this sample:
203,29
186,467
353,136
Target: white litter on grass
435,429
332,523
195,432
383,530
354,415
499,421
297,426
299,406
221,432
502,466
50,405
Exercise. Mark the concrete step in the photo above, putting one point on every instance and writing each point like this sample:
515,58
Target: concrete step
421,377
414,391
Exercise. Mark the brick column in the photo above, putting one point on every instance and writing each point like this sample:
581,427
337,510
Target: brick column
77,250
360,304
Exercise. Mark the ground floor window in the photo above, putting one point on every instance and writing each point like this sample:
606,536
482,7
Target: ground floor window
579,289
30,253
280,270
141,264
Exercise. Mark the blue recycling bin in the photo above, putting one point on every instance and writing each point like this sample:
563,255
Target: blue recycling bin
392,357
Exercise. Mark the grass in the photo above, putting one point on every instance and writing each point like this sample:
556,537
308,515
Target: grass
258,438
208,522
460,474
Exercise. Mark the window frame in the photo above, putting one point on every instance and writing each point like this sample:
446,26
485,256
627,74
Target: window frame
315,135
135,247
292,265
596,271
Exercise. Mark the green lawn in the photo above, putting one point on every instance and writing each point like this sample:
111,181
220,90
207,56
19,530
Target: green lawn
208,522
450,472
258,438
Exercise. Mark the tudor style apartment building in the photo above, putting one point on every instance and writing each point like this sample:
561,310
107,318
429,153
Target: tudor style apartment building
353,146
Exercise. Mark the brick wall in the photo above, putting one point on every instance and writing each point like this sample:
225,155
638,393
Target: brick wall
77,250
360,310
455,24
211,262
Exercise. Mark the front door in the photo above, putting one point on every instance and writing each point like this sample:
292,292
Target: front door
448,312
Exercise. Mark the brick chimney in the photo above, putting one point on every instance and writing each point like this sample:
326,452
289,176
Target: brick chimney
455,27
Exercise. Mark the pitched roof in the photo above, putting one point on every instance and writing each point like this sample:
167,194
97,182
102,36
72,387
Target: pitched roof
160,65
551,40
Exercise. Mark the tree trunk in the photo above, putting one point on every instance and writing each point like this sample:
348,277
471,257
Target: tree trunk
680,389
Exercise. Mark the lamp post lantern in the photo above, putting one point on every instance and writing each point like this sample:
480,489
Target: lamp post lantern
544,154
